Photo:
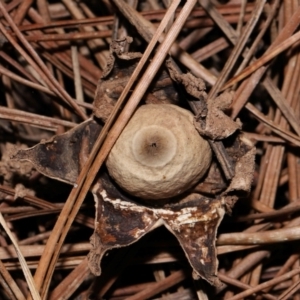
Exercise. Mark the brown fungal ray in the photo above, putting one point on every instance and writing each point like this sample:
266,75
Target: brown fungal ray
63,156
118,223
195,227
194,223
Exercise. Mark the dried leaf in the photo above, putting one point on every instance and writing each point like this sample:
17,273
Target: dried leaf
213,122
193,85
244,168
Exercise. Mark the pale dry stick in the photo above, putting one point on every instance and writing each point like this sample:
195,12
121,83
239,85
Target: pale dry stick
263,138
37,250
290,291
238,48
7,253
292,98
36,238
31,284
216,15
48,123
246,264
17,66
200,290
193,37
288,209
70,284
43,8
6,81
269,189
237,283
8,281
89,83
108,20
292,157
64,263
89,15
34,201
282,285
259,206
14,210
241,17
77,77
12,5
34,85
287,265
158,287
254,45
255,278
244,278
146,30
279,100
246,89
295,280
89,73
287,135
120,261
272,89
77,13
154,5
38,63
26,82
260,238
85,63
22,10
249,85
73,36
132,289
159,274
6,289
46,266
266,284
295,99
263,60
282,104
34,213
65,114
210,49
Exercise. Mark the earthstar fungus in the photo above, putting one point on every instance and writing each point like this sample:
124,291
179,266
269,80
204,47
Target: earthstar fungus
162,164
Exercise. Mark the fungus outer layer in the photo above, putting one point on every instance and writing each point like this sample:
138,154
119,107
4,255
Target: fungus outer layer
159,153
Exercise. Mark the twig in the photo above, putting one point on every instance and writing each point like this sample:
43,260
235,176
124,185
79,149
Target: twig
159,286
265,285
31,285
9,284
237,49
259,238
48,77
